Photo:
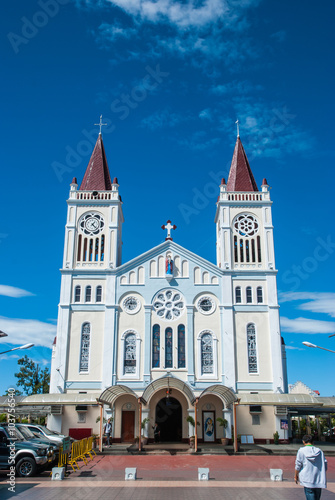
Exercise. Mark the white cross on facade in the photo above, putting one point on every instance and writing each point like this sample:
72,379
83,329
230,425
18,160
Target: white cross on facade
168,226
238,128
100,124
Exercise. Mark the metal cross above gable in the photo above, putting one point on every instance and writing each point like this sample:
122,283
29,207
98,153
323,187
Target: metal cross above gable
100,124
168,226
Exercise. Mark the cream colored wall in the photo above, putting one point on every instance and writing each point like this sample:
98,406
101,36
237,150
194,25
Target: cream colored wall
135,322
70,419
96,319
207,322
261,321
266,428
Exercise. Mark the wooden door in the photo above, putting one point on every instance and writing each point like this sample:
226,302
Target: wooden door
128,426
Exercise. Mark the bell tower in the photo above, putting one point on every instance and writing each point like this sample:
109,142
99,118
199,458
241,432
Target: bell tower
93,236
92,250
245,252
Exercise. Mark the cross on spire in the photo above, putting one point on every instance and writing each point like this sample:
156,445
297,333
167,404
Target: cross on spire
238,128
100,124
168,226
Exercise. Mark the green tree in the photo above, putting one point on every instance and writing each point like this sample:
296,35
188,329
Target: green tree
32,378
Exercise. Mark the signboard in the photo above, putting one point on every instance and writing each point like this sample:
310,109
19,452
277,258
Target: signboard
284,424
66,445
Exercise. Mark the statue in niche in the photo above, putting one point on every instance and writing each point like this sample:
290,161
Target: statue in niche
169,265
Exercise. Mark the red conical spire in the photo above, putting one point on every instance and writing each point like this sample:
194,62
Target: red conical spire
97,176
240,175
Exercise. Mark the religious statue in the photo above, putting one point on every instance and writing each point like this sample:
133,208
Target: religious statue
169,265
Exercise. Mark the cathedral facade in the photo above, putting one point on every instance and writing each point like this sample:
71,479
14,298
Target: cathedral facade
168,334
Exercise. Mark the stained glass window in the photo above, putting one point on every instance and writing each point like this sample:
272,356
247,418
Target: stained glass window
181,346
206,353
130,353
252,348
155,346
168,348
85,347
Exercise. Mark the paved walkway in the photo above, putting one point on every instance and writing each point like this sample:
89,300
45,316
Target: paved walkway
166,477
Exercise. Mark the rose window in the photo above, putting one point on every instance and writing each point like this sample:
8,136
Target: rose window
246,225
168,304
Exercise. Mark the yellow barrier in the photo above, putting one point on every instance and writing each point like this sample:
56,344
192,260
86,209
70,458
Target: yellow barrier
79,451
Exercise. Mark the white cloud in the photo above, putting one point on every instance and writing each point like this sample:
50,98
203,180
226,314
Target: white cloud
183,15
317,302
162,118
235,87
307,326
280,36
292,348
206,114
23,331
12,291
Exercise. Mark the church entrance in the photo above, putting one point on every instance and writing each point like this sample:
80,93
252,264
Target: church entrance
169,419
127,426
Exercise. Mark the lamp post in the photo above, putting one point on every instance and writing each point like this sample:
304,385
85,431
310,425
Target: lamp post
308,344
26,346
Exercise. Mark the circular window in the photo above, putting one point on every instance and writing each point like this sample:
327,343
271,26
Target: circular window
131,305
206,305
168,304
91,223
246,225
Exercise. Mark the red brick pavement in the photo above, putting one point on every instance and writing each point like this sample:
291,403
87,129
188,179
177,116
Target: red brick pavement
170,478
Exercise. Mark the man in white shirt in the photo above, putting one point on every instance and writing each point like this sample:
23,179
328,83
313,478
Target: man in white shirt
310,469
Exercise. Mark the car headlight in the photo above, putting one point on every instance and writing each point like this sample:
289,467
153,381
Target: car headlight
41,452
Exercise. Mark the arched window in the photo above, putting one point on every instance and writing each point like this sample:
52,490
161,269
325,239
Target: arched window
155,346
77,293
259,295
238,297
85,347
249,294
252,348
88,294
168,347
129,354
98,294
207,353
181,347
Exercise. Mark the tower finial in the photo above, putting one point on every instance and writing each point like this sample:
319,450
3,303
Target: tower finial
100,124
238,128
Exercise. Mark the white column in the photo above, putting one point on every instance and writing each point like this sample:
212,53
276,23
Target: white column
190,345
147,345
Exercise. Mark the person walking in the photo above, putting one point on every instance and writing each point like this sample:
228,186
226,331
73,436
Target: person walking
310,469
157,432
108,430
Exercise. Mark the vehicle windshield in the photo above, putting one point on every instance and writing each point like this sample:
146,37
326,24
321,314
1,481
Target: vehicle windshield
27,434
46,431
15,433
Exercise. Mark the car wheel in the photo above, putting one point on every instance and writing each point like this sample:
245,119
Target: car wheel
26,467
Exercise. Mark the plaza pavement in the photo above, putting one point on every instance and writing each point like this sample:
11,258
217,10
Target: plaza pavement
244,477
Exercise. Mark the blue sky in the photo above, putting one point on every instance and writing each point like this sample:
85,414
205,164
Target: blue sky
170,79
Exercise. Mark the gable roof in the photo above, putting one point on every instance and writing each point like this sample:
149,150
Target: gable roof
97,177
163,247
240,174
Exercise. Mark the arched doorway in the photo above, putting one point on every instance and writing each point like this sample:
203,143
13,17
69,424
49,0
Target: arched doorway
169,419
